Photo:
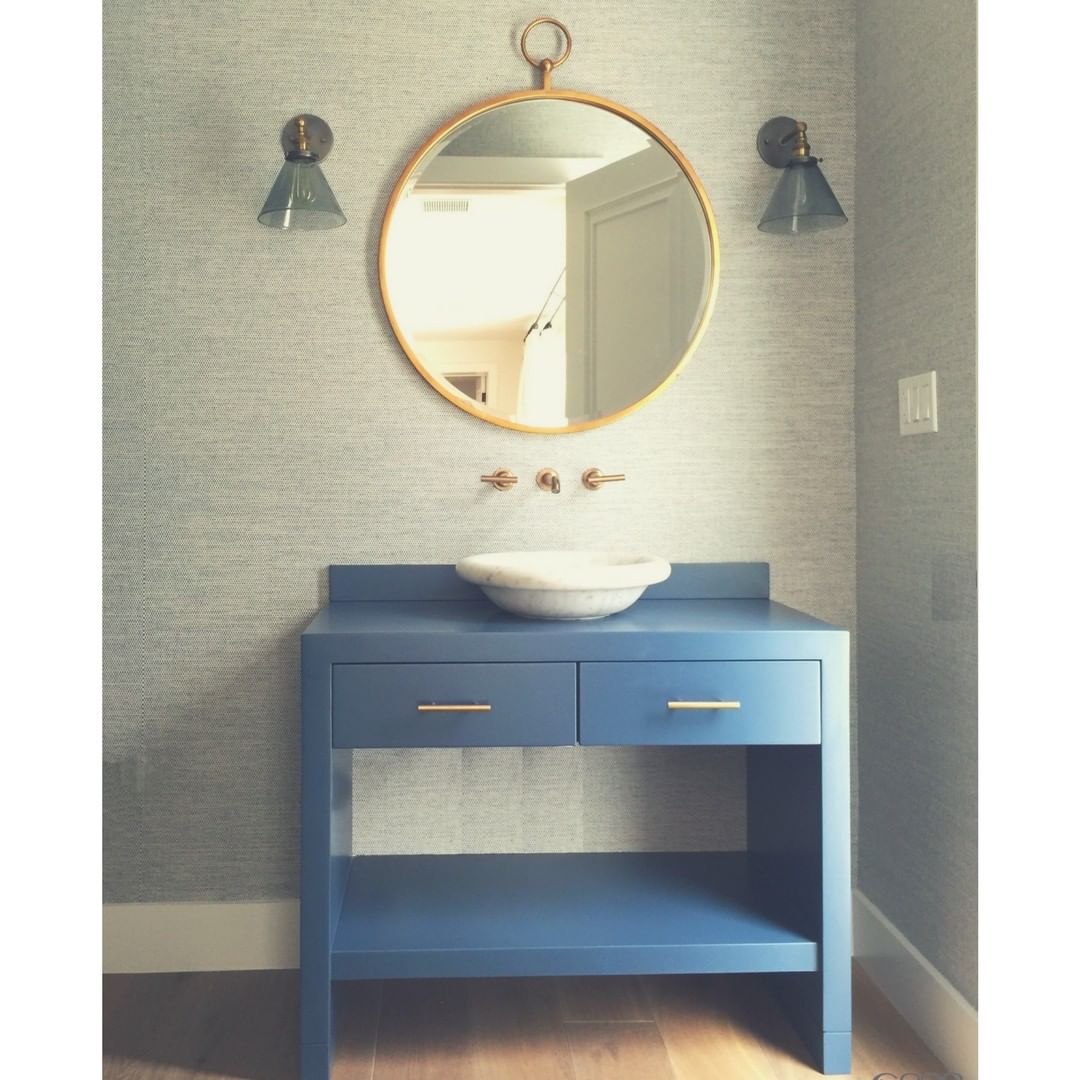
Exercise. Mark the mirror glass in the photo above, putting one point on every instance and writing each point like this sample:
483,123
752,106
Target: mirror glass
548,264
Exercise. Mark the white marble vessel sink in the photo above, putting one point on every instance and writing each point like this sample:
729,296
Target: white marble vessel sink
563,584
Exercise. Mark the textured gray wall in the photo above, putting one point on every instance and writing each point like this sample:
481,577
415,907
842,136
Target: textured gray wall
915,292
261,422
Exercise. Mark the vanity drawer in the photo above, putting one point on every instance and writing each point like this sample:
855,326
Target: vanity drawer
725,702
496,705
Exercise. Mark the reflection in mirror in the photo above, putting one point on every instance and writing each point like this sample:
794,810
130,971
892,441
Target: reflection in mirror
548,264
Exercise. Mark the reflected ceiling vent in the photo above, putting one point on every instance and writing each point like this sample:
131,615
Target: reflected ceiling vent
446,206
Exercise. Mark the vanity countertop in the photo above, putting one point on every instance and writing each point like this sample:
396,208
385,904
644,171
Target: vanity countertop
460,623
481,616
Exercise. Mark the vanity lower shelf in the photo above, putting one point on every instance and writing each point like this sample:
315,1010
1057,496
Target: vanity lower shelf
425,916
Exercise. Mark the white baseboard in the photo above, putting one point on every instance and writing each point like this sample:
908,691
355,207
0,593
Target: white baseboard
200,937
938,1012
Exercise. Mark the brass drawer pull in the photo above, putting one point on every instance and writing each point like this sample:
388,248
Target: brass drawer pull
453,708
704,704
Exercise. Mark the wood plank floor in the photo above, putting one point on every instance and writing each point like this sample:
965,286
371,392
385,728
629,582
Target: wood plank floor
243,1026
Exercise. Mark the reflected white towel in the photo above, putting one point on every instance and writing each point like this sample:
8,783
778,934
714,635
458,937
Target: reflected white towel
542,387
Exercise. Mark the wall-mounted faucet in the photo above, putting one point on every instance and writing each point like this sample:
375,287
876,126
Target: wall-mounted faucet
548,479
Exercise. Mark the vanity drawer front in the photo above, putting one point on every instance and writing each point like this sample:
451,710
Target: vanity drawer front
725,702
497,705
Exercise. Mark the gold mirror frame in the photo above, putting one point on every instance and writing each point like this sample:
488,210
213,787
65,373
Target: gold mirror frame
585,99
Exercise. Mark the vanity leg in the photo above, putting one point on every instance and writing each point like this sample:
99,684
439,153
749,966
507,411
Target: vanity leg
326,851
799,832
835,1057
316,1062
835,860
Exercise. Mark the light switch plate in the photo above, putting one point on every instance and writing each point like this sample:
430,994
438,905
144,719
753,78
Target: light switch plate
918,404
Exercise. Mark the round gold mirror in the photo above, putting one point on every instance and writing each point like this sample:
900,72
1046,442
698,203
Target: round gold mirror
548,261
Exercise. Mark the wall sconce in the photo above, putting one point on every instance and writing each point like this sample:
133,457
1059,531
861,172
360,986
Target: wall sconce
803,201
301,198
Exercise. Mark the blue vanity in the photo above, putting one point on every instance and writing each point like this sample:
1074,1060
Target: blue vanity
413,656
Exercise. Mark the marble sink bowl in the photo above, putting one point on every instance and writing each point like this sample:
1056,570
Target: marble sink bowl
563,584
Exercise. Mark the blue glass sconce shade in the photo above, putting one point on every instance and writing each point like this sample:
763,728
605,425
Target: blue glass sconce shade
803,201
301,197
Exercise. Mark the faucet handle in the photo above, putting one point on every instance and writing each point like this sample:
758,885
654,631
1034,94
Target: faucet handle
500,479
593,478
548,479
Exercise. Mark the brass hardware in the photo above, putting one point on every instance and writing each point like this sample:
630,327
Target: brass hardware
547,65
444,133
801,149
306,138
673,705
593,478
500,479
453,708
782,140
548,480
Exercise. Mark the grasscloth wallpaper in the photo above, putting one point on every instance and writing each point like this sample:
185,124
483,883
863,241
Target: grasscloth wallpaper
261,422
915,286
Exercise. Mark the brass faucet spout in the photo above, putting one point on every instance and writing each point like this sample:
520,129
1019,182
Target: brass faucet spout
548,480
